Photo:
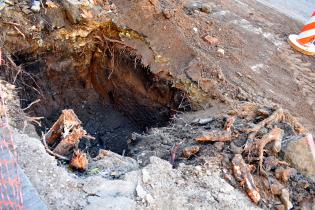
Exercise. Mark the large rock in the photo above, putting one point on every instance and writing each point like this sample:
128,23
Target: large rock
109,194
299,153
110,164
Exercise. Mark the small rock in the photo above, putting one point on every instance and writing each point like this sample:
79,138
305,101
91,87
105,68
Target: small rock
263,112
198,168
190,151
168,13
35,6
276,188
211,40
299,154
198,6
308,204
195,29
145,176
149,199
285,198
239,74
221,51
141,193
202,121
279,207
235,149
230,179
284,174
9,2
303,184
219,146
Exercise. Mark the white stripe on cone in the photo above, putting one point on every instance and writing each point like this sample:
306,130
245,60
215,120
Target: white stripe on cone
306,34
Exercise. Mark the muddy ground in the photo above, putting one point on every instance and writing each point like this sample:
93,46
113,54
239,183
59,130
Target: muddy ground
138,74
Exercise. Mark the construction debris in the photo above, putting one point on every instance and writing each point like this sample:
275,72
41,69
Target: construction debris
299,153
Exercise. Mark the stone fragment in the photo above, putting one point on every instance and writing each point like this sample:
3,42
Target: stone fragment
221,51
149,199
285,198
235,149
276,188
280,207
219,146
35,6
303,184
168,13
145,176
73,10
299,154
284,174
141,193
205,7
109,162
202,121
190,151
211,40
9,2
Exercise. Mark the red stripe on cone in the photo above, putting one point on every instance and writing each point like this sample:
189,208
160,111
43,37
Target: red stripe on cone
307,27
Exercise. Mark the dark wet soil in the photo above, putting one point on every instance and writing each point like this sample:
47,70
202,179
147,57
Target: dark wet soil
110,127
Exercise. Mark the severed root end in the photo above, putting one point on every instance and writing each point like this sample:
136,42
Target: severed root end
79,160
215,135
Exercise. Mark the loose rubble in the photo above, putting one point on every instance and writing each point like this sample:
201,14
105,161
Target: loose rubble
254,155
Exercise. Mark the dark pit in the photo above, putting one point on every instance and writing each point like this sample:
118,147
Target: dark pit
113,97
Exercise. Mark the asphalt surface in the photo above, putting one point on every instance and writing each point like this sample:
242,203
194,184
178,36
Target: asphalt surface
300,10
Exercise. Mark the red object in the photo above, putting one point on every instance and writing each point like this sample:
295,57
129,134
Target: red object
307,33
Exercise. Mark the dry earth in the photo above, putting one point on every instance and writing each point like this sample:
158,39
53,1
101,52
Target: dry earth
127,66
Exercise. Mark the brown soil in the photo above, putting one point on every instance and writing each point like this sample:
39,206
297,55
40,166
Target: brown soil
131,66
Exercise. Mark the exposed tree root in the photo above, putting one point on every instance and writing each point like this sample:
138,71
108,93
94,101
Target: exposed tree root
242,174
64,136
51,152
219,135
258,145
277,116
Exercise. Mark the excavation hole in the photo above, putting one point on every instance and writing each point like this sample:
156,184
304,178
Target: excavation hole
113,97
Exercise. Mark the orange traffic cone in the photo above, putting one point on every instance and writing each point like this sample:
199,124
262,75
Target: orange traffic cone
304,41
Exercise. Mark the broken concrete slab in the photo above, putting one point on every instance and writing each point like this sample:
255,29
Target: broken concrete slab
299,153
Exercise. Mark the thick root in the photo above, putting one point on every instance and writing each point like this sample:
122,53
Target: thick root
69,142
66,121
277,116
242,174
215,135
258,145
